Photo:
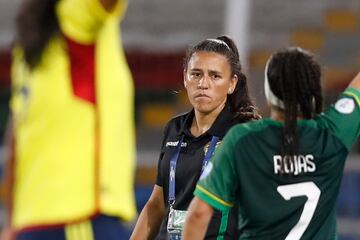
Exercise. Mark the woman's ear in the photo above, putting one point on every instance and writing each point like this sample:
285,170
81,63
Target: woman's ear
184,78
233,83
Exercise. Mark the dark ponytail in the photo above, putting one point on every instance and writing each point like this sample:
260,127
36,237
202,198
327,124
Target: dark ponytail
239,101
36,23
294,77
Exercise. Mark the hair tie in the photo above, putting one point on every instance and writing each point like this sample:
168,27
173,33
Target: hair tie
219,41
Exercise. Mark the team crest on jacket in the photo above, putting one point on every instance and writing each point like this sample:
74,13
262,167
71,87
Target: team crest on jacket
206,147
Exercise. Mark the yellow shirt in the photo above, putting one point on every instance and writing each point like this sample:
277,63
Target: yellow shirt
74,158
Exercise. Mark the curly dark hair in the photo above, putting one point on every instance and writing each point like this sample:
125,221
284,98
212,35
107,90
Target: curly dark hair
36,23
239,101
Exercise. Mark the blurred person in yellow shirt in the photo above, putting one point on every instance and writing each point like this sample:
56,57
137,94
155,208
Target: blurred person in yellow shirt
70,143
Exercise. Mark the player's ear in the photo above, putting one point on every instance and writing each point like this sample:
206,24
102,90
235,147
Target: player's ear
184,78
234,81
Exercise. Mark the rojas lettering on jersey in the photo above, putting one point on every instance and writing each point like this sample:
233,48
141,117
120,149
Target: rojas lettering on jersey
300,164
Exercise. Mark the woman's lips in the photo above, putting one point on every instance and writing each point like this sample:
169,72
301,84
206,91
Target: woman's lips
201,96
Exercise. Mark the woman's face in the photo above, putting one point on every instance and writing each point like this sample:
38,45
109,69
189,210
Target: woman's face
208,80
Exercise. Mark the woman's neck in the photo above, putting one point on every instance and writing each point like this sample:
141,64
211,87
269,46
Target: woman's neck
203,121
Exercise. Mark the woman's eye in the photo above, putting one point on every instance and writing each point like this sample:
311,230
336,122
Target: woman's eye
195,75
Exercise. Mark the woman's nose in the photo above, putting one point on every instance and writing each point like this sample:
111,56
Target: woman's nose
203,82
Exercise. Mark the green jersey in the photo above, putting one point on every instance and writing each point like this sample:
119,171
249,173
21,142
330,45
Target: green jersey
272,205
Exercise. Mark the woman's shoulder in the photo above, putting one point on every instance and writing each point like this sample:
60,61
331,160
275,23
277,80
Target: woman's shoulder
177,123
180,117
179,120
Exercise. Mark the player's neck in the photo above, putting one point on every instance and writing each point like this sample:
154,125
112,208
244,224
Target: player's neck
203,121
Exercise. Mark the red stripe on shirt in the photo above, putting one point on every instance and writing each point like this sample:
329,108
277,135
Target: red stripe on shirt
82,68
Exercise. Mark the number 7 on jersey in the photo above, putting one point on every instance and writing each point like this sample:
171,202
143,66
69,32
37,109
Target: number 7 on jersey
312,192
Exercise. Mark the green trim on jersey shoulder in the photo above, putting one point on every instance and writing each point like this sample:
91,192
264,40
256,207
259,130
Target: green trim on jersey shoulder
211,199
224,224
352,92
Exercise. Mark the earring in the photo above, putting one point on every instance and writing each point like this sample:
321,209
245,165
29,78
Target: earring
230,91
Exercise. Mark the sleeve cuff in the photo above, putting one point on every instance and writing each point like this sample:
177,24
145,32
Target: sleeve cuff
212,199
353,93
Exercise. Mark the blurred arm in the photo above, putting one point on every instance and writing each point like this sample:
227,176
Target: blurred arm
81,20
150,218
197,219
109,4
355,83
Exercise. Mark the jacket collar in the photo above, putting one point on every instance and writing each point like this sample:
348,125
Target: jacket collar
224,121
